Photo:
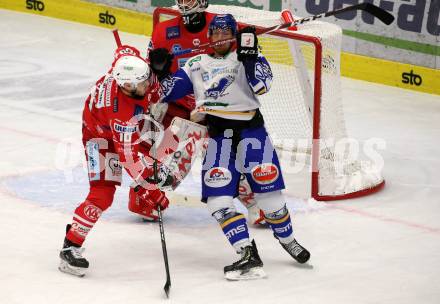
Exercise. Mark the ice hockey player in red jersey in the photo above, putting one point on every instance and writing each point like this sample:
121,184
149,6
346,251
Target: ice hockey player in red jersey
113,119
188,31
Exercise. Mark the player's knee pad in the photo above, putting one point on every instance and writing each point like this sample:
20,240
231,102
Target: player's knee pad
101,196
221,208
276,215
271,202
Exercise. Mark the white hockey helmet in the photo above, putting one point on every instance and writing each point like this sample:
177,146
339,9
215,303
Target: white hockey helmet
188,7
130,69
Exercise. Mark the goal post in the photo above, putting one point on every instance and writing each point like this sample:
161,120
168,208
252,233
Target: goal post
303,110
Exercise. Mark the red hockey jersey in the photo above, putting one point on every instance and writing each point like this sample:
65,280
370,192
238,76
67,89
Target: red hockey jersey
111,115
172,35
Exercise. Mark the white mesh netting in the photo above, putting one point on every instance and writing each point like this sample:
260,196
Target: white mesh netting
288,107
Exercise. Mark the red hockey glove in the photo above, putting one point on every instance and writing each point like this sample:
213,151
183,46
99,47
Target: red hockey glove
153,198
145,207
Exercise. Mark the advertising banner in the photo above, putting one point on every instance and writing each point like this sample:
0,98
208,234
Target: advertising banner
85,12
414,37
404,54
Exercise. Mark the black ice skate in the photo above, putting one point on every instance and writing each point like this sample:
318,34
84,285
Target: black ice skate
298,252
72,261
249,267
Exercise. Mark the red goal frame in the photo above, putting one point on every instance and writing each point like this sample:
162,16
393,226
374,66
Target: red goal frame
316,107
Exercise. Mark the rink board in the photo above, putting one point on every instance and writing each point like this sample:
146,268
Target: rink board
85,12
391,73
402,75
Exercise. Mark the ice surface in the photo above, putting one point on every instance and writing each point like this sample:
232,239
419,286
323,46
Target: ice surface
383,248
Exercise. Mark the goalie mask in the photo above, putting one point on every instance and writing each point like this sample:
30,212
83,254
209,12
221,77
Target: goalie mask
188,7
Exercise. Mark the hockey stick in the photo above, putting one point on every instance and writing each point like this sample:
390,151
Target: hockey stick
374,10
117,38
167,285
156,178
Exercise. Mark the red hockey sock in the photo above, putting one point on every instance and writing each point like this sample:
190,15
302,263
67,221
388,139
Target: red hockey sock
88,212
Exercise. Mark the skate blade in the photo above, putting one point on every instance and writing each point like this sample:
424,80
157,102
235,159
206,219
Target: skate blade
251,274
76,271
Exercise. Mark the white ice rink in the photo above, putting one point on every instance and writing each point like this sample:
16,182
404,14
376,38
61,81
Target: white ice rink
383,248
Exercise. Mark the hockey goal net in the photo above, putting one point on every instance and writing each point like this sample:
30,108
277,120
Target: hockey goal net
303,110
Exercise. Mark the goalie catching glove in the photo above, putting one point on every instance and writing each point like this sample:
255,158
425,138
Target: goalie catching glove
247,44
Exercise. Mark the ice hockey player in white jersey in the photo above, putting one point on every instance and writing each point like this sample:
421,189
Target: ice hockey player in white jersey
225,85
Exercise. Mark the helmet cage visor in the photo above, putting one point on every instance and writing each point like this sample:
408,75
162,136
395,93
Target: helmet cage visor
187,7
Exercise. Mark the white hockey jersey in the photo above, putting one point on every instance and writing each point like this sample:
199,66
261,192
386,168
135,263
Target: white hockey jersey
222,86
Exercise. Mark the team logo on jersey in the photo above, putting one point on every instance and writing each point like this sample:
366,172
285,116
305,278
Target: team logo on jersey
217,177
205,76
196,42
173,32
218,89
265,173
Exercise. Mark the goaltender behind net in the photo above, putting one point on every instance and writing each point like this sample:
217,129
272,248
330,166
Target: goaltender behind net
226,84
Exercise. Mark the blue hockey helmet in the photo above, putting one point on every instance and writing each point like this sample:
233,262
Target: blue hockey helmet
226,21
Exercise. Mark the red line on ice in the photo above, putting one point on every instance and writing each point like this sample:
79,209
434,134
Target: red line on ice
388,219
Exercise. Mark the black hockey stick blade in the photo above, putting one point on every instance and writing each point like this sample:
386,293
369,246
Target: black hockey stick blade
374,10
167,288
379,13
